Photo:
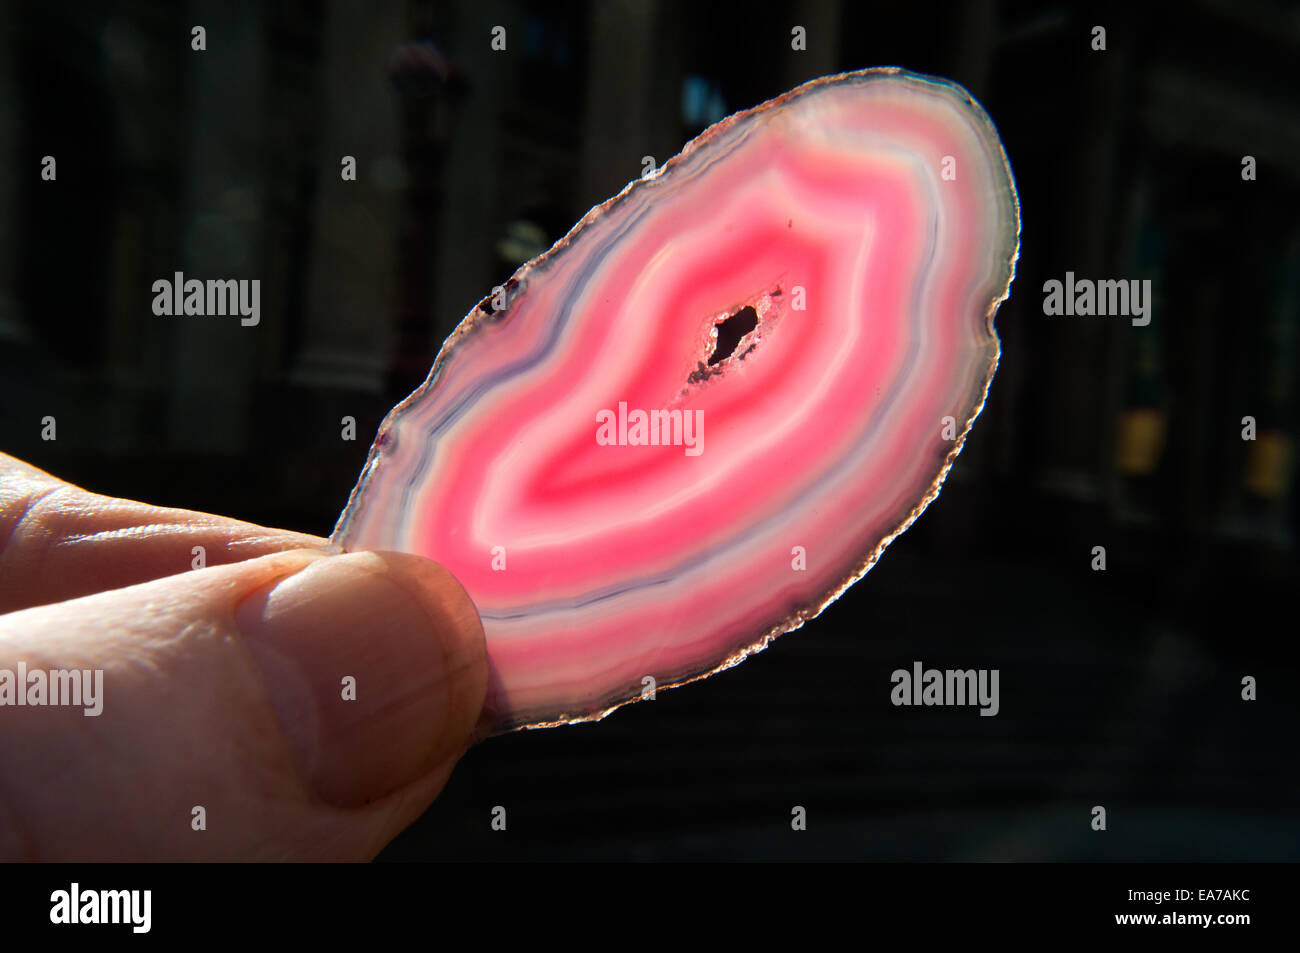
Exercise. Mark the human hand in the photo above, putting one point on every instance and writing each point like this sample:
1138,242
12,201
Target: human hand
223,688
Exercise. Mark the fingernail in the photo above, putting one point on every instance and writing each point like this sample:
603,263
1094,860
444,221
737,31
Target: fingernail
375,667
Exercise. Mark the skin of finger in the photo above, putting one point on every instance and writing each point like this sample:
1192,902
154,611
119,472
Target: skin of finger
58,541
189,725
12,465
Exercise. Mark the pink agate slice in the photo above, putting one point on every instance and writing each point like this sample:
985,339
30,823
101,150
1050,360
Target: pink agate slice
870,220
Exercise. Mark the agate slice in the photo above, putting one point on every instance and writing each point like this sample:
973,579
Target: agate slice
631,502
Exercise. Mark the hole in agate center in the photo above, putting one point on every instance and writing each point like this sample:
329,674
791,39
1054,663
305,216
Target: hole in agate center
731,331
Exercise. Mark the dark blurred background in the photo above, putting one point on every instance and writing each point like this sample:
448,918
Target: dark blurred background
1120,688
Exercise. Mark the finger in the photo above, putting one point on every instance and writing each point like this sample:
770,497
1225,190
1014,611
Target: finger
58,541
311,705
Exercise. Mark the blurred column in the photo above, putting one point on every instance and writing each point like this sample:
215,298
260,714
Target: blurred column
348,327
464,273
1077,448
821,18
213,358
11,326
975,38
145,220
633,93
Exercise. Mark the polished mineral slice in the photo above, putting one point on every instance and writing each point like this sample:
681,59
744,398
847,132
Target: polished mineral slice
704,413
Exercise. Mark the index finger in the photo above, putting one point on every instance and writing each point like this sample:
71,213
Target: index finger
58,541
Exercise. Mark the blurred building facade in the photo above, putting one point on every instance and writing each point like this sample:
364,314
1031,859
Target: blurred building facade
471,158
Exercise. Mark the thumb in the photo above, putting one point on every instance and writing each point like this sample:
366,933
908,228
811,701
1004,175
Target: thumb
296,706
